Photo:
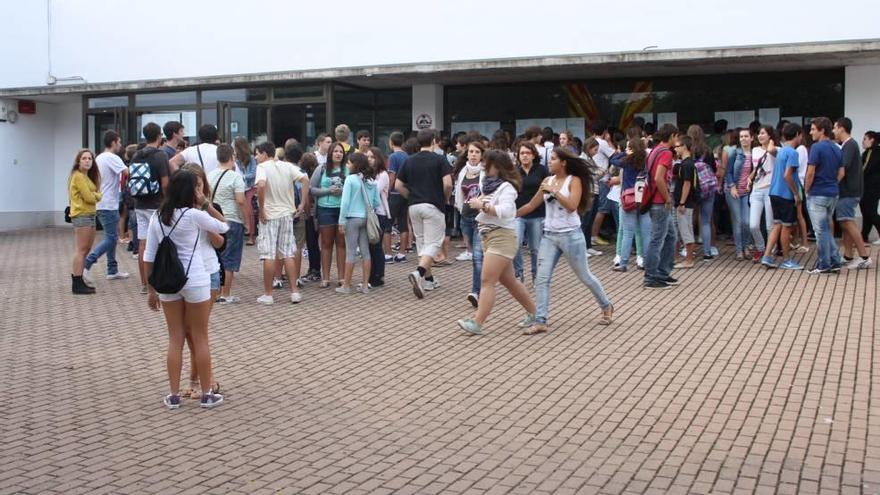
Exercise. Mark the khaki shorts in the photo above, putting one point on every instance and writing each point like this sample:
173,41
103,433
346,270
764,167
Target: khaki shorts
500,242
429,227
276,238
299,232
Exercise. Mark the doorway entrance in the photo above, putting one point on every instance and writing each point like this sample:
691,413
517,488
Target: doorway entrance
302,121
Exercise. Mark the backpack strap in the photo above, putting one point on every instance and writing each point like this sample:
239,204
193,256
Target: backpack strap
216,184
193,254
202,163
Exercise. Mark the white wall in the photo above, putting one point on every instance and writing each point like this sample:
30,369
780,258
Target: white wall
121,40
36,154
861,98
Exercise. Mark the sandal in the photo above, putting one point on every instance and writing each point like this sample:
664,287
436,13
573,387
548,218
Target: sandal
607,315
325,284
536,329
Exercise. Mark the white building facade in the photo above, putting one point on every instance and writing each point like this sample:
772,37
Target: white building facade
269,69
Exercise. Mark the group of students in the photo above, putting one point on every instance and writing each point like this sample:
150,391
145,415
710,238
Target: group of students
542,193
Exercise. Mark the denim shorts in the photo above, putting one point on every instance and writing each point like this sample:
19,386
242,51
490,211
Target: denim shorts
215,280
846,208
231,255
328,216
83,221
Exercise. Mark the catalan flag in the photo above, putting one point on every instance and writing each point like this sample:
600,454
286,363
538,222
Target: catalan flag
641,100
580,102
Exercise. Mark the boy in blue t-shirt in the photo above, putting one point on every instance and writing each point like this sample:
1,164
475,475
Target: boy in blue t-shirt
785,198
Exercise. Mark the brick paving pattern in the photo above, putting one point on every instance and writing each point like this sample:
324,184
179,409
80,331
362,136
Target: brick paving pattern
741,380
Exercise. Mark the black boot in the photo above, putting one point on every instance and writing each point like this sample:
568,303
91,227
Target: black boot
80,287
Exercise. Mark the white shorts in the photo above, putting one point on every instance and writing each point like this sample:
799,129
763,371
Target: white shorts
143,222
429,227
277,238
193,295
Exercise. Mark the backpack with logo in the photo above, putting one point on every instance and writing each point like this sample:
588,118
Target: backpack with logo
141,182
706,179
168,275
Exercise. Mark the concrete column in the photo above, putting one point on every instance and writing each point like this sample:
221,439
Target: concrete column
860,101
427,106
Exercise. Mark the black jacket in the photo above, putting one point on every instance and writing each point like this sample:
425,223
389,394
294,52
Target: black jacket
871,168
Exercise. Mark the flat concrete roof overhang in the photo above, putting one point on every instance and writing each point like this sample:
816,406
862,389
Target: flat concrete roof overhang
646,63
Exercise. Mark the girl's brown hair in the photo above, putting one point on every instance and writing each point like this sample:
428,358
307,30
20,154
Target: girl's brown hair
500,161
532,149
94,175
578,167
463,157
198,171
242,150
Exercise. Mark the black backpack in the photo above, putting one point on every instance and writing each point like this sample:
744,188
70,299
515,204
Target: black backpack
168,275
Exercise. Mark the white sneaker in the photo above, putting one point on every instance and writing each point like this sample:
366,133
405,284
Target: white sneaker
296,297
431,284
683,252
876,243
465,256
616,260
87,278
267,300
640,261
417,282
118,276
859,264
594,252
277,283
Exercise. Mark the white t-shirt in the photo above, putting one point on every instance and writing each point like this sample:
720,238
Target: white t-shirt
209,156
382,181
603,157
110,166
322,159
757,154
279,178
803,158
185,236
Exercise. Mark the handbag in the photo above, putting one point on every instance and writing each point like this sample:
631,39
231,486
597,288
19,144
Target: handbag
628,199
374,231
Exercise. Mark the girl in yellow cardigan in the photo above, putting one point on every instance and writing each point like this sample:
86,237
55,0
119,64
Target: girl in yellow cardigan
84,191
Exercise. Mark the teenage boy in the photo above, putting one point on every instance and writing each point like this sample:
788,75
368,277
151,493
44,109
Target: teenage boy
824,171
276,196
343,134
602,159
851,190
686,197
660,256
205,153
397,203
174,137
363,140
227,189
425,181
111,168
145,204
785,198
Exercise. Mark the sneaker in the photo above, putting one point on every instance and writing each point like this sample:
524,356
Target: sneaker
740,256
295,297
802,250
683,252
267,300
313,277
714,251
594,252
791,265
474,299
277,283
134,255
657,284
144,289
769,262
536,329
640,262
527,322
361,286
389,258
599,241
708,257
859,264
221,300
619,268
756,256
465,256
616,260
416,280
671,281
431,284
344,290
299,283
470,326
836,268
87,278
399,258
684,265
118,276
172,401
876,243
210,400
819,271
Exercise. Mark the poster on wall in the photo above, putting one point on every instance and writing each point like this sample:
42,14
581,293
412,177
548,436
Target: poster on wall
648,116
667,118
728,116
768,116
795,120
742,118
575,124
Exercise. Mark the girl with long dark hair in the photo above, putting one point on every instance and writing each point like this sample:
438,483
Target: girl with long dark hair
736,185
764,158
247,165
467,175
84,192
380,252
566,197
180,217
353,219
529,227
326,185
497,225
636,226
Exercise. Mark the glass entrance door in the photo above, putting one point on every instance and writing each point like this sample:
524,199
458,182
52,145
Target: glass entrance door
250,120
301,121
108,119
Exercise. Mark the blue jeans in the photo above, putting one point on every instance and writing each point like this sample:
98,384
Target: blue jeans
573,245
110,220
660,255
469,230
635,225
706,207
821,209
739,218
535,229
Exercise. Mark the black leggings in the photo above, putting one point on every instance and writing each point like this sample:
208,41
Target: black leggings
870,218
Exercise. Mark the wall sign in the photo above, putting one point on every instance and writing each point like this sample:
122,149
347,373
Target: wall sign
424,121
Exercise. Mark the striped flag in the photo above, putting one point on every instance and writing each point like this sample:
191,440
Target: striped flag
640,101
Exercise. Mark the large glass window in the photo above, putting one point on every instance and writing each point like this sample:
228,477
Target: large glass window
307,91
165,99
242,94
108,101
160,117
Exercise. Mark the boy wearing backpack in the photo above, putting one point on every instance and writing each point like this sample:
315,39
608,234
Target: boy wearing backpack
785,198
687,196
148,178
